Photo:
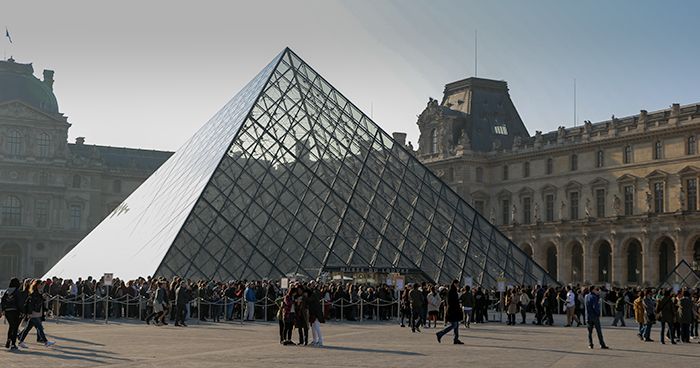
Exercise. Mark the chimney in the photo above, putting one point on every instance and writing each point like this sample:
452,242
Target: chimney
48,78
399,137
80,141
675,114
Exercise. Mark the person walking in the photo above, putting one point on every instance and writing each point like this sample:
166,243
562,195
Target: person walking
685,315
289,315
640,314
11,308
593,312
619,310
650,314
571,308
523,303
182,297
511,306
433,306
34,309
453,314
315,315
666,311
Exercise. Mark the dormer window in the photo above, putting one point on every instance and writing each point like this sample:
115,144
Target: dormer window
500,129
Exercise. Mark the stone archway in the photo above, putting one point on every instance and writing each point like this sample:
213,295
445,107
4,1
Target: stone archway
527,249
632,266
667,256
576,262
551,260
604,258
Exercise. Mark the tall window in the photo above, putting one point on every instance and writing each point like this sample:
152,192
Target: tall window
574,162
505,172
627,155
526,169
76,181
479,206
658,150
691,192
600,203
14,143
44,143
549,166
600,158
505,211
11,211
629,200
117,186
76,214
42,213
549,207
691,148
527,211
433,141
479,175
573,205
659,197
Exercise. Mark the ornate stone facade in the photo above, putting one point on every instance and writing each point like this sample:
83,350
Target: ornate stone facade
53,193
612,202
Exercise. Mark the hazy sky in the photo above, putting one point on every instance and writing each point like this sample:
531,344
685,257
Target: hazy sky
149,73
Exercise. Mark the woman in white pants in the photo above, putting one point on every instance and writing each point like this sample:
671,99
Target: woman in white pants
315,315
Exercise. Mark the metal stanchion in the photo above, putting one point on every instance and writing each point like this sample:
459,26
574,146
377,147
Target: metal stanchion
94,308
362,314
341,309
265,308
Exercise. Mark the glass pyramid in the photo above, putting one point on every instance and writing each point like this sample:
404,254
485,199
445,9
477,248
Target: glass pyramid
292,178
682,276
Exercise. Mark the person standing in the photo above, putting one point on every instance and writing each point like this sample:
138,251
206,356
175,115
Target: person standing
685,315
182,297
250,299
619,310
523,303
650,311
467,300
315,315
539,305
416,298
593,312
453,314
11,308
666,309
433,306
640,314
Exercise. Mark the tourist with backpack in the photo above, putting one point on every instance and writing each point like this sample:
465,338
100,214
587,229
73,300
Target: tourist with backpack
11,308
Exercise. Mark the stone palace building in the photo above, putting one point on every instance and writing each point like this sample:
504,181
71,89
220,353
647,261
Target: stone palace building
52,193
611,202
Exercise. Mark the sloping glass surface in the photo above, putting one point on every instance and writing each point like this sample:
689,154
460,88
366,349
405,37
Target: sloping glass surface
682,276
310,184
133,239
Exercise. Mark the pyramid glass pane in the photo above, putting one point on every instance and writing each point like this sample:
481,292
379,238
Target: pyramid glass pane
290,178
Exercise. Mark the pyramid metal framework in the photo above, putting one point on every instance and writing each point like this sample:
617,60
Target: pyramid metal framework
292,178
683,276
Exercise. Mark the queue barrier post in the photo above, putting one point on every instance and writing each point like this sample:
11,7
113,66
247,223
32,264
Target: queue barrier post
265,308
342,307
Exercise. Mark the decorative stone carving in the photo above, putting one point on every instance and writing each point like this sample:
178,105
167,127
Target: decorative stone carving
562,210
537,212
493,215
514,214
617,205
587,208
650,202
681,199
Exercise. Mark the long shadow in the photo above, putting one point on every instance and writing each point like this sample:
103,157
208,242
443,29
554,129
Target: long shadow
60,347
77,341
61,356
536,349
670,353
90,354
365,350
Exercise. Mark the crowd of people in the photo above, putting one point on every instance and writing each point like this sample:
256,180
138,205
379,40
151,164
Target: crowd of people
306,305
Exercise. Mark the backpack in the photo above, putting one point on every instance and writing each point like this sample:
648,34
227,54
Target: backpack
9,301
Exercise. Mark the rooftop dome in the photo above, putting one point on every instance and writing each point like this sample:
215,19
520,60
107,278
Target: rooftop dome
17,82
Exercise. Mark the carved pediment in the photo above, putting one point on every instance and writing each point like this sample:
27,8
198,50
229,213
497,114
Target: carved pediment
627,178
689,170
504,193
19,110
480,194
657,174
526,191
599,182
573,185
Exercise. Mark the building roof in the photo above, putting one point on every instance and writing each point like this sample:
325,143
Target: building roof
17,82
120,157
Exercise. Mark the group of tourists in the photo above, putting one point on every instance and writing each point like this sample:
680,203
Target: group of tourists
305,306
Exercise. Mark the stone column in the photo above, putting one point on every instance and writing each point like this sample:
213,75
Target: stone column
649,260
588,272
616,277
563,263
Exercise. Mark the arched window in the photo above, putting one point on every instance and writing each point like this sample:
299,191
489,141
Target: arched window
599,159
604,262
549,166
552,261
14,143
76,181
577,263
574,162
10,256
526,169
11,211
433,141
658,150
692,146
479,175
634,262
667,258
44,143
627,155
117,186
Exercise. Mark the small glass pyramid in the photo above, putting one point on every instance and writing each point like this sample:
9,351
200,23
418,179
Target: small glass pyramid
292,178
681,276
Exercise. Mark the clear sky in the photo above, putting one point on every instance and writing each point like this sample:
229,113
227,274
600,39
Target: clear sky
149,73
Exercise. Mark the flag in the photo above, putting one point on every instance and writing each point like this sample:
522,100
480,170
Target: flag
7,34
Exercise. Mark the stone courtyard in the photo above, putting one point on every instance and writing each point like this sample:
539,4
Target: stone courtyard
367,344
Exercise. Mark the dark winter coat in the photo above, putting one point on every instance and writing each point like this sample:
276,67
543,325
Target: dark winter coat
666,309
685,310
454,311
